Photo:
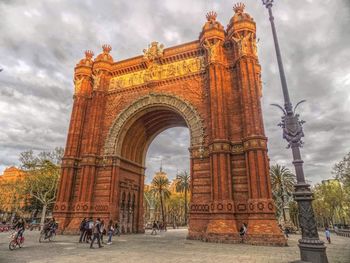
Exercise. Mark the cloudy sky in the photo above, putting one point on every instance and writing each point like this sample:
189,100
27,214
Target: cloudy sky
41,41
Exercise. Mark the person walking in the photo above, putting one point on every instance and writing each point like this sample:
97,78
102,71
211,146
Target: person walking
243,232
117,229
103,230
154,228
82,230
110,231
328,235
97,233
90,225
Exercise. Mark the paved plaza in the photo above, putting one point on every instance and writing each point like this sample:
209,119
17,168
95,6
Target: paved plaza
170,246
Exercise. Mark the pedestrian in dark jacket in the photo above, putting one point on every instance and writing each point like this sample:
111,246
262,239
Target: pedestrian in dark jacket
82,230
97,233
154,228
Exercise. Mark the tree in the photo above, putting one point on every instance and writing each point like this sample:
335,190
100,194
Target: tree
294,213
42,181
341,170
330,204
151,202
282,183
183,182
159,187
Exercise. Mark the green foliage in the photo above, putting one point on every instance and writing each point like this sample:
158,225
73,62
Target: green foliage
183,182
159,188
281,178
293,211
332,197
43,172
282,184
341,170
331,203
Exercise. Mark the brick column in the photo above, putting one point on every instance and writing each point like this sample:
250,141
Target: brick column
63,206
262,224
222,224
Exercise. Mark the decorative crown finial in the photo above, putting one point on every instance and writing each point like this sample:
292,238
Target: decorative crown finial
211,16
238,8
89,54
106,48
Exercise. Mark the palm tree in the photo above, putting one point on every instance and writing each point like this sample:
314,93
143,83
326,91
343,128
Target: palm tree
282,183
183,182
159,187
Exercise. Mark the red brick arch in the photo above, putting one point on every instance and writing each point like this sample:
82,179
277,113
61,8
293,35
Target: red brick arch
212,86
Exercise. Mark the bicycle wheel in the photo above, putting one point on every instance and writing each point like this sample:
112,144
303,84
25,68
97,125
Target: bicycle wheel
42,237
12,245
52,237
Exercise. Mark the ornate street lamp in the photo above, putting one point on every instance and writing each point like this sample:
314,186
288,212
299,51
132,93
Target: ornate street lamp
312,249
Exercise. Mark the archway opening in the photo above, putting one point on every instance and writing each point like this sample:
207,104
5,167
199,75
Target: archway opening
168,156
136,138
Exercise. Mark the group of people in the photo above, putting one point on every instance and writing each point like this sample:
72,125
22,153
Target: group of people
91,231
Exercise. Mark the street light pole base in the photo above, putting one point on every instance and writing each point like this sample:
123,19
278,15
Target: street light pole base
314,251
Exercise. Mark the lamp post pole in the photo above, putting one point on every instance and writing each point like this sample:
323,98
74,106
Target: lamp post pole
312,249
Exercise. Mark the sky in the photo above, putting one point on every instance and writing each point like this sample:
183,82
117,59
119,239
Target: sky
41,41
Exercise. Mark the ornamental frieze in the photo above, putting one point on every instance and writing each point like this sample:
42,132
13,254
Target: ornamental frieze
255,143
237,149
156,72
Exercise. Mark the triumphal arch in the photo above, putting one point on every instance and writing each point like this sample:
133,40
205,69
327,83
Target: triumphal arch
212,86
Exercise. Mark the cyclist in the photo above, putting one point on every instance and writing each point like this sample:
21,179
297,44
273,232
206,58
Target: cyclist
19,227
50,228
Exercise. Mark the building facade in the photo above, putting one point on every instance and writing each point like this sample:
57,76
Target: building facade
212,86
13,197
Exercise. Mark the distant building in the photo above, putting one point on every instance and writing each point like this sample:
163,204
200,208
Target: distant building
12,198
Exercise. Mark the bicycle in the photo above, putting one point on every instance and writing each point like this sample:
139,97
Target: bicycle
47,236
16,241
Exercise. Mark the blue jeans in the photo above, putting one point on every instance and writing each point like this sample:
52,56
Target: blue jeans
110,234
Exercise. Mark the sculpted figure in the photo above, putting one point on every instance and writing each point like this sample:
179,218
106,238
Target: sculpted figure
154,51
212,49
171,71
200,63
254,45
112,83
242,43
77,85
96,80
120,83
185,67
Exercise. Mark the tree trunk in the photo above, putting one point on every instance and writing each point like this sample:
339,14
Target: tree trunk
162,207
283,204
186,206
43,215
